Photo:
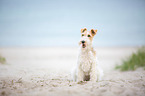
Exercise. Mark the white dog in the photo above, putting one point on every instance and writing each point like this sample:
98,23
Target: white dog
87,67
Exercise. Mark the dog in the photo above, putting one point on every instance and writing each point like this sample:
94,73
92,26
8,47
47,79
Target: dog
87,68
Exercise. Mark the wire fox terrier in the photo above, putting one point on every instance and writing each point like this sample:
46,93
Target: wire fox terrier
87,68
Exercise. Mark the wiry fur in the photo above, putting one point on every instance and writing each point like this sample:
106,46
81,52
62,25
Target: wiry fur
87,66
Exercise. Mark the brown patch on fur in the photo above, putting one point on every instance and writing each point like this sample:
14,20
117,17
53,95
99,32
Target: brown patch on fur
91,37
93,32
83,30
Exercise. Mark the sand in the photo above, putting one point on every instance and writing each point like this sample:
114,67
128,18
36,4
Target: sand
46,72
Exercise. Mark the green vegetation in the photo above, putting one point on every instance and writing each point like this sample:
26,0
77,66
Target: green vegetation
134,61
2,60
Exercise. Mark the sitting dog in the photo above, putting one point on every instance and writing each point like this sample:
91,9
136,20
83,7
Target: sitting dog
87,68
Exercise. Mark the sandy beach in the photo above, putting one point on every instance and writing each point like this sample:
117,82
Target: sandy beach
46,72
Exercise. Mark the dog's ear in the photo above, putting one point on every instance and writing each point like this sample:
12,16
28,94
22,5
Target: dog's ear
83,30
93,32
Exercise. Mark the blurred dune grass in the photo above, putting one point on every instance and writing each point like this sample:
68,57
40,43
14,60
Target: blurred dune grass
2,60
134,61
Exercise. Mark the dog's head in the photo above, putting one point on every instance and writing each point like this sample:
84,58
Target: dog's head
87,38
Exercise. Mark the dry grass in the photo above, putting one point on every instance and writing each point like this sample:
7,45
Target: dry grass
2,60
135,61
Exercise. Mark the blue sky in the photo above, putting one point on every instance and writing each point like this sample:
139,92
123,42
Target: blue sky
58,22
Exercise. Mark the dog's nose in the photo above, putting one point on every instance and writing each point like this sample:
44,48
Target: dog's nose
83,41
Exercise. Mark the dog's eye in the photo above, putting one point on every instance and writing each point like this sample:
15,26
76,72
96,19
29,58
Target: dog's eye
82,34
89,36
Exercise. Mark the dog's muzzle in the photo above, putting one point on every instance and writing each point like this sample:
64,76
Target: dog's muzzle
83,44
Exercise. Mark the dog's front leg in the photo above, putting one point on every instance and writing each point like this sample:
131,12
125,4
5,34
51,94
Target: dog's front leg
80,75
93,76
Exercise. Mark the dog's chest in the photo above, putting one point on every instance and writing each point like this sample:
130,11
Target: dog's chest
86,61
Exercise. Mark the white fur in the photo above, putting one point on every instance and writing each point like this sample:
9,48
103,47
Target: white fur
87,64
